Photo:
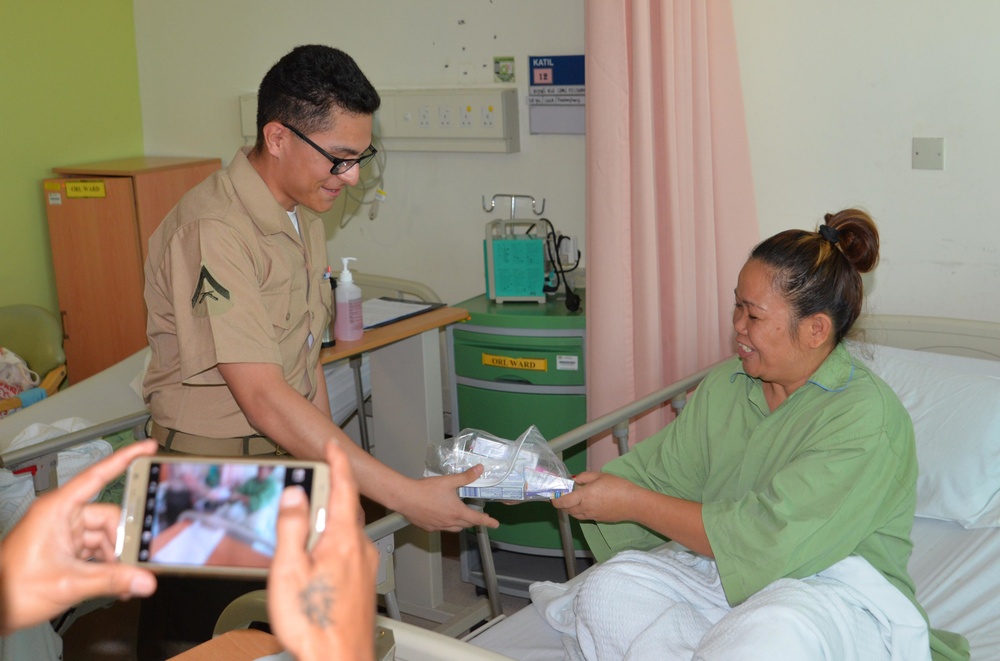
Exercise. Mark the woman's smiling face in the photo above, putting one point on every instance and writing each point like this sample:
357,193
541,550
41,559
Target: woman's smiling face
767,337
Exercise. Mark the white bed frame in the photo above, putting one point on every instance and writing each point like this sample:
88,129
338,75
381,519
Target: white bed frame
956,337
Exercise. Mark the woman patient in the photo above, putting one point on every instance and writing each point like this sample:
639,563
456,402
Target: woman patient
790,473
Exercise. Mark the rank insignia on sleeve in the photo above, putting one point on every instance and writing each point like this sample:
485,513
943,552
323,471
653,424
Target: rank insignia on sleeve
210,298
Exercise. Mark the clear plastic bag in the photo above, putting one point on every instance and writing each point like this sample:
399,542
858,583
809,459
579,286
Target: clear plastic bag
522,469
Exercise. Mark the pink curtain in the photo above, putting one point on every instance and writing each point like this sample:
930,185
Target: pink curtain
670,205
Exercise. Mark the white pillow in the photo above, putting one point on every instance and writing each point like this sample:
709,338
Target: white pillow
956,418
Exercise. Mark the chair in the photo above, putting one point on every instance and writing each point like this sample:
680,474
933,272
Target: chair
34,334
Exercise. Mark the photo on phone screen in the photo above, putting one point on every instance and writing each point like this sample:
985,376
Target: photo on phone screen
214,514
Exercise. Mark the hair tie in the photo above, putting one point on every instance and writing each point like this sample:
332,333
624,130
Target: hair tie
831,234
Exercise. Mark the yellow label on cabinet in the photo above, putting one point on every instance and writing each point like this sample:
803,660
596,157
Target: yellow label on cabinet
534,364
85,188
53,186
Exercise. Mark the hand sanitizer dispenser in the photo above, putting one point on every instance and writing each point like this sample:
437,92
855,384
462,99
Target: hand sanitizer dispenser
349,325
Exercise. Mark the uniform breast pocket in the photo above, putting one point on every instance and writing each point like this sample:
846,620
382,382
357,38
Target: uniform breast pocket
285,311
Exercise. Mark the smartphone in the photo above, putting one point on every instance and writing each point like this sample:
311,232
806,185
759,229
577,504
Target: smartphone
212,516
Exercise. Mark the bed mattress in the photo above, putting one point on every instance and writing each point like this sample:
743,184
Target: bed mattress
955,570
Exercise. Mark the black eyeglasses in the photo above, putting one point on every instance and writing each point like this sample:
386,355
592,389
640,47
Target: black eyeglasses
340,165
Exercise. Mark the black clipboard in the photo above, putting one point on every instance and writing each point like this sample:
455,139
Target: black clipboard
386,310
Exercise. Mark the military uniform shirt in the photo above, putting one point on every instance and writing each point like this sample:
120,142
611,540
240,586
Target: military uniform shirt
229,280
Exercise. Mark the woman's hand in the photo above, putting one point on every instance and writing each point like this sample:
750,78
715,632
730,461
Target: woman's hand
600,497
607,498
63,551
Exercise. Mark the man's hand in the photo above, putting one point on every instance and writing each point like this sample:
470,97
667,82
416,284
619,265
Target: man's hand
433,503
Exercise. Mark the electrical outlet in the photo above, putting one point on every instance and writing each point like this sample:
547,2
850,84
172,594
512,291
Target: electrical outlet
424,114
459,119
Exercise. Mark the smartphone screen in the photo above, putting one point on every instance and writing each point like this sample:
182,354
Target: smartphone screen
216,515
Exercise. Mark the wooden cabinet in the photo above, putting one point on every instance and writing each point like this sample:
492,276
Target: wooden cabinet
101,216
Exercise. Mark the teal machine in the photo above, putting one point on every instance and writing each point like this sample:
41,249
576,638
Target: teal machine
514,255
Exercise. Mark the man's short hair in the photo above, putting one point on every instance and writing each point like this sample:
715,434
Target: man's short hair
306,84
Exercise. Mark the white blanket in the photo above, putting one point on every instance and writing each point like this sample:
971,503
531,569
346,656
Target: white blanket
673,608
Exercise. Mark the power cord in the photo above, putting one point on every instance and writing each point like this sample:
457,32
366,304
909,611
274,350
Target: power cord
552,244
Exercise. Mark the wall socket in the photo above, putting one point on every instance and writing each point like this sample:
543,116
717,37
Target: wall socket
449,119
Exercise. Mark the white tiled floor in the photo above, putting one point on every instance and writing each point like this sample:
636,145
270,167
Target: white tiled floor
456,591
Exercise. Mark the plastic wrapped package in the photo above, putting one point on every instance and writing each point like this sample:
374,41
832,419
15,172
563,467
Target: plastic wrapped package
522,469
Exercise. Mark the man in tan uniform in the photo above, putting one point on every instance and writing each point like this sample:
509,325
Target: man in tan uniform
236,296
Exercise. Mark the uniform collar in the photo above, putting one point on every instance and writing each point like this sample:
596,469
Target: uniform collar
269,216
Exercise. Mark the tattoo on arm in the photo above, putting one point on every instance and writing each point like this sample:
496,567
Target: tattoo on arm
317,602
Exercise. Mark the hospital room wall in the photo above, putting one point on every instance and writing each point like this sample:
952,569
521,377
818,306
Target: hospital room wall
196,58
834,94
70,95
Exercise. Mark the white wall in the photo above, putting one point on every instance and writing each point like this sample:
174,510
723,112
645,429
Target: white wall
196,58
834,93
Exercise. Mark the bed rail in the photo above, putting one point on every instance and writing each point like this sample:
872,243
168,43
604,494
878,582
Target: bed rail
42,458
617,421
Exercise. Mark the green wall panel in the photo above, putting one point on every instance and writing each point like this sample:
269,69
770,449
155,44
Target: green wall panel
70,90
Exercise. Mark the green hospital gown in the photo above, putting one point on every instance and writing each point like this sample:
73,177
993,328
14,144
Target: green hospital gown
830,473
259,492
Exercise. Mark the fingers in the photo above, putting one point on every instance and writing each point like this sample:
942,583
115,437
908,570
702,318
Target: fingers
101,519
587,477
112,579
566,501
343,501
292,528
88,483
482,519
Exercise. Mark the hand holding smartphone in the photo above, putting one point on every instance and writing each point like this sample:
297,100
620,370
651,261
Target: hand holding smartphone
212,516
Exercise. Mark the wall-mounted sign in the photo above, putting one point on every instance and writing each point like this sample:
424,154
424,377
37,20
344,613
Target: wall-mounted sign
556,96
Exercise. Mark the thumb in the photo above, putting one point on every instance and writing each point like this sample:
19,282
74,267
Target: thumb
586,477
116,579
293,526
470,475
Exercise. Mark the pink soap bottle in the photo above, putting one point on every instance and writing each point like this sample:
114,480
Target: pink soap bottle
348,325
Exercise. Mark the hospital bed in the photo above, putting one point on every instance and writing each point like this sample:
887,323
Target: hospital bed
939,367
946,373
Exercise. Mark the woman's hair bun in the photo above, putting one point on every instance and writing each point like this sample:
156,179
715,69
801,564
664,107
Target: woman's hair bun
856,237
